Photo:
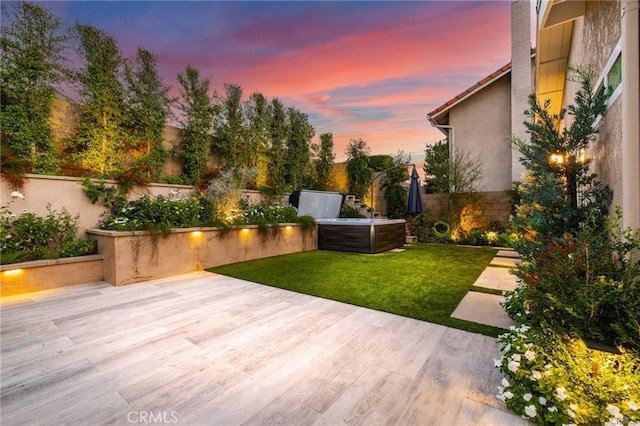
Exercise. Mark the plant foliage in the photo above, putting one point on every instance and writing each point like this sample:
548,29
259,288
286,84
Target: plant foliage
196,120
358,171
436,167
31,65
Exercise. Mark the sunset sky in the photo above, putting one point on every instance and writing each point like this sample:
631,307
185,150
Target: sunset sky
369,70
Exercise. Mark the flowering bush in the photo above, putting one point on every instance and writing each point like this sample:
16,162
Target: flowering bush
160,213
552,381
32,237
163,213
270,213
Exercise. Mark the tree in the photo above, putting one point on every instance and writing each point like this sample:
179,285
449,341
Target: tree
578,272
395,194
464,174
278,131
31,65
148,105
231,130
358,171
297,159
100,144
258,134
196,121
436,167
324,164
558,172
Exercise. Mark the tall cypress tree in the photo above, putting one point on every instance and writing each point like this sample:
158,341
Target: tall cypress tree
100,143
276,154
31,65
197,123
298,154
324,165
148,106
560,194
358,171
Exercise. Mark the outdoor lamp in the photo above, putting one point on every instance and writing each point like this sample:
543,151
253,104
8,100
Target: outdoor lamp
556,159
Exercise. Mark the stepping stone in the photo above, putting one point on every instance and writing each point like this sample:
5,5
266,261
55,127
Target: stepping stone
504,261
508,253
496,278
482,308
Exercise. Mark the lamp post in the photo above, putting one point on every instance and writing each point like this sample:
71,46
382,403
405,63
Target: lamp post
382,174
567,164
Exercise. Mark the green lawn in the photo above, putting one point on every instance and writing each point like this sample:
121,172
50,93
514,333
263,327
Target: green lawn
425,281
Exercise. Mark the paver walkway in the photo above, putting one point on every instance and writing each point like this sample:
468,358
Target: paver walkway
485,308
207,349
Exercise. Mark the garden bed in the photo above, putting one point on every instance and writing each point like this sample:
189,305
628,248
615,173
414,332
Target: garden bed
46,274
135,256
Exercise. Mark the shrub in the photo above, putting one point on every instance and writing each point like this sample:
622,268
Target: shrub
270,213
32,237
584,286
550,380
349,212
156,214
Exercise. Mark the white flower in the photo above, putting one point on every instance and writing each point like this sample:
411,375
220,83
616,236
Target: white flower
500,397
530,410
502,300
535,375
527,397
513,366
516,357
560,393
633,405
505,382
548,367
614,411
542,400
17,194
497,362
574,407
530,355
571,414
508,395
553,409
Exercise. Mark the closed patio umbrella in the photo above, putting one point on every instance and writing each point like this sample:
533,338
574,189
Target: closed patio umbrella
414,203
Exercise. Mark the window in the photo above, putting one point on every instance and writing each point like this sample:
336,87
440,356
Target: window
611,77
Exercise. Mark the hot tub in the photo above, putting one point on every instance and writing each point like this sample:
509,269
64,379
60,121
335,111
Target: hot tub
361,235
356,235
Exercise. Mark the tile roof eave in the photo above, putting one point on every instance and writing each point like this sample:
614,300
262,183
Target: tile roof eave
433,115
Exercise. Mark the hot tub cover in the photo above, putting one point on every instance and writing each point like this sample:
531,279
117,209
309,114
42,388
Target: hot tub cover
318,204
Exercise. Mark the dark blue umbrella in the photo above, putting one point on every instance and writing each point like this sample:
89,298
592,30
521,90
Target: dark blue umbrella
414,203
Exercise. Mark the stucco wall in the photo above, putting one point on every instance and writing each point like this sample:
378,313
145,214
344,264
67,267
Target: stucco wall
131,257
482,124
594,39
66,192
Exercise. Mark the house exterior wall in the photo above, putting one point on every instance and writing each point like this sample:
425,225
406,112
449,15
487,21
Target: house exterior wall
594,38
482,125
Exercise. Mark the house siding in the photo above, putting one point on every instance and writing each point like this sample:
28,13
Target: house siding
594,39
482,125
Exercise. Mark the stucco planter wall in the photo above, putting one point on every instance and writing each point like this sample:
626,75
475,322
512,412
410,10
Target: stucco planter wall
39,275
131,257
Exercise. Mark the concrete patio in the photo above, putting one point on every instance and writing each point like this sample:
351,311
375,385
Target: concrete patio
207,349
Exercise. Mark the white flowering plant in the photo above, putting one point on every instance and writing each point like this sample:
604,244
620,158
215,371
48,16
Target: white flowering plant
553,381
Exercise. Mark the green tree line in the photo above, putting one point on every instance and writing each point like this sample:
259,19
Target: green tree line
124,106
